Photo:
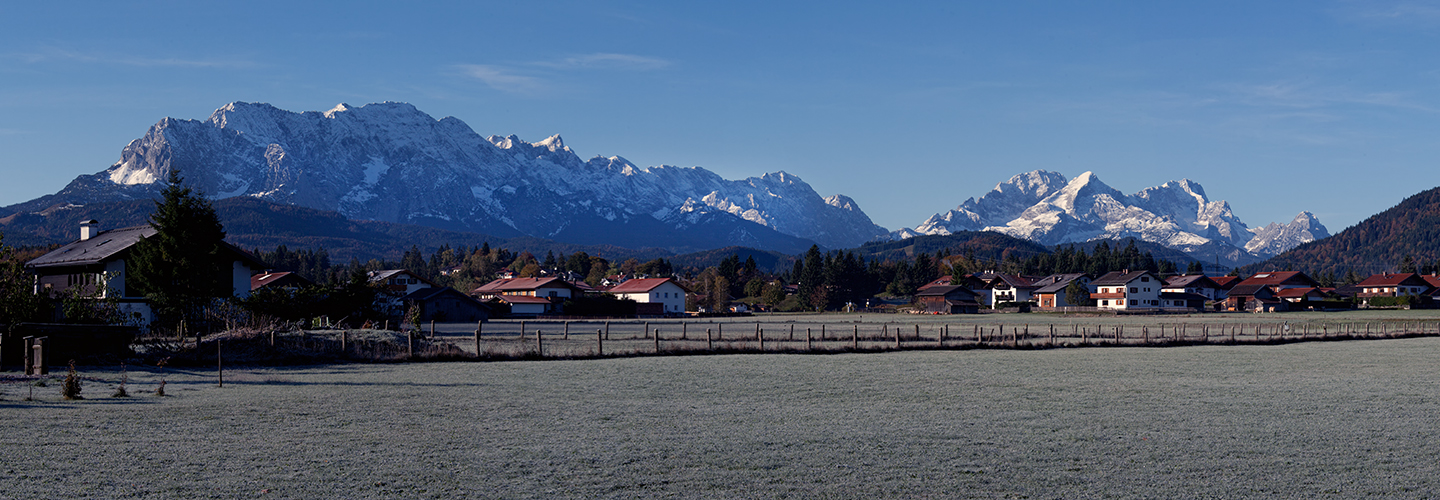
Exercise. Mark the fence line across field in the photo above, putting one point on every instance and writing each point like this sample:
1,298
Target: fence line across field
586,338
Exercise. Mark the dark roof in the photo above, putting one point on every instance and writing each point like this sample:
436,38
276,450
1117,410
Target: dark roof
1249,290
1014,281
1057,282
98,248
1122,278
945,290
266,279
110,244
431,293
1184,280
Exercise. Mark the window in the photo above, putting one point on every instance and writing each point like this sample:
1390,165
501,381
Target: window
1134,302
1134,290
1104,302
1145,279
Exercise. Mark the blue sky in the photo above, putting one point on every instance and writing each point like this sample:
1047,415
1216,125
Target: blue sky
907,107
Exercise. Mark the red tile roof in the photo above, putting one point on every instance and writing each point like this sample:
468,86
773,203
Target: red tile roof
1274,278
1226,282
1393,279
502,285
524,299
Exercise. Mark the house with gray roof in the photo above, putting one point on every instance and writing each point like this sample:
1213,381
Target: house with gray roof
95,264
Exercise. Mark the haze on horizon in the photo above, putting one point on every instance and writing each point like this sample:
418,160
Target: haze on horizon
909,108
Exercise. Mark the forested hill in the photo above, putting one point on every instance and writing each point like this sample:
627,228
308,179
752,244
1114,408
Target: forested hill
981,245
1378,244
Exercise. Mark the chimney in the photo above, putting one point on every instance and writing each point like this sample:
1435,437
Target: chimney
88,229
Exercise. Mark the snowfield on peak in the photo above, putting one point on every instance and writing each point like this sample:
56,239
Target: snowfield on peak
1047,208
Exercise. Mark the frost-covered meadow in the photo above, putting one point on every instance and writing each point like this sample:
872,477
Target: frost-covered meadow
1341,419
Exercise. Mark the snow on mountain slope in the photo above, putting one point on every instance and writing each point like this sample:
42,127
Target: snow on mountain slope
1044,207
391,162
1274,238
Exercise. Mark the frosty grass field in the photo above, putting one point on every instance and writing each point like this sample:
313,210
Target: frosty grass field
1314,419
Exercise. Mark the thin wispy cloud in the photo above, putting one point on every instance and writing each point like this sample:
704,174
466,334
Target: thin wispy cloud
503,79
1301,96
537,77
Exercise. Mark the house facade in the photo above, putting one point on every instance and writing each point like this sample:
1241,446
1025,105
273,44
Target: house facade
1392,285
529,296
947,299
96,265
1052,293
1197,284
1126,290
663,291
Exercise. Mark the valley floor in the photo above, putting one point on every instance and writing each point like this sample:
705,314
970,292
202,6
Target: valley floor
1303,420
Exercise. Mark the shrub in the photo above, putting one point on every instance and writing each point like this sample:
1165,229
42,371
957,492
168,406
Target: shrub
71,389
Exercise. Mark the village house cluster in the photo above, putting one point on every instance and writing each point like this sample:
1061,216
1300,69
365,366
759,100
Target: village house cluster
1144,291
95,265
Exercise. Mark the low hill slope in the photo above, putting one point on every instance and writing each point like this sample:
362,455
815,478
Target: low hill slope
1377,244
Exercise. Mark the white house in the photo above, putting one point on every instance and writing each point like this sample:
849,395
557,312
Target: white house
1127,290
664,291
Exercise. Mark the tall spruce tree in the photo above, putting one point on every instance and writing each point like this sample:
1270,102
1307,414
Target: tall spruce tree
181,268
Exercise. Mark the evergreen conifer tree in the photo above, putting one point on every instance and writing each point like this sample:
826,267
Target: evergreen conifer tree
180,269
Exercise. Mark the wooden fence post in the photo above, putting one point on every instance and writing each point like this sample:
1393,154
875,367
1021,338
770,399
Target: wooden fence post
760,336
599,342
719,331
409,344
709,341
940,336
809,340
607,330
432,329
792,332
566,335
477,337
684,330
1052,334
344,342
897,337
657,339
539,343
917,332
855,338
647,329
522,330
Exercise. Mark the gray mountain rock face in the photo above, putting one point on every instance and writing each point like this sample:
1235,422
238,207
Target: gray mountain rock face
391,162
1047,208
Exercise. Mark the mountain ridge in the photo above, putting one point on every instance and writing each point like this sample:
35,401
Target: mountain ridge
1047,208
391,162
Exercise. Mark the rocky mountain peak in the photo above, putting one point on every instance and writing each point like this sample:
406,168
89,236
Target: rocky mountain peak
392,162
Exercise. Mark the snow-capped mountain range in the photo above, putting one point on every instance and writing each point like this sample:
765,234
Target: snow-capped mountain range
1047,208
391,162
